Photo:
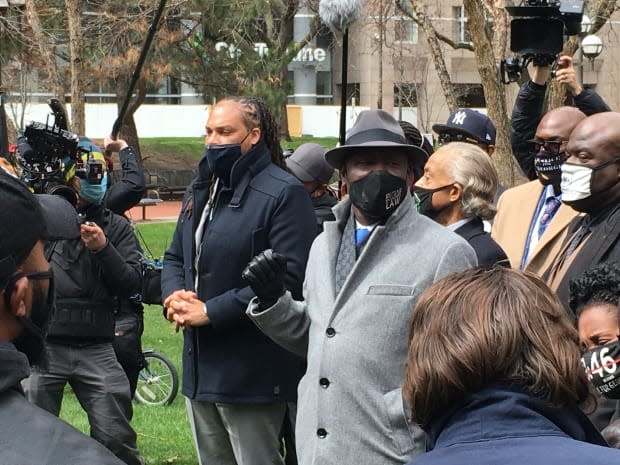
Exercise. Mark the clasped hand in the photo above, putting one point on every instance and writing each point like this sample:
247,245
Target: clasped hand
184,309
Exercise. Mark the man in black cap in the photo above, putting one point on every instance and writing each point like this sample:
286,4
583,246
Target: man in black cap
364,275
308,165
467,125
30,434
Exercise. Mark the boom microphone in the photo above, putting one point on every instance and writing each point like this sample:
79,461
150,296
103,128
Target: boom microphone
338,14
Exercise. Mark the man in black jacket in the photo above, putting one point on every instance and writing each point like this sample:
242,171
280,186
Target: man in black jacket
237,381
590,184
29,434
92,274
528,109
308,165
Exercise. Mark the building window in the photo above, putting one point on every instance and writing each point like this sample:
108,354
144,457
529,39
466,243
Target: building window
405,94
469,95
461,28
406,30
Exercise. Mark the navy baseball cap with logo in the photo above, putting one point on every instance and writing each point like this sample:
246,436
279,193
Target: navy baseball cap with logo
471,123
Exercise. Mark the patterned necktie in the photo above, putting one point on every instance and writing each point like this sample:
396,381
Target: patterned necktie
551,206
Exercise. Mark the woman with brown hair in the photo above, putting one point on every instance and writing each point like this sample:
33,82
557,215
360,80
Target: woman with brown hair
504,385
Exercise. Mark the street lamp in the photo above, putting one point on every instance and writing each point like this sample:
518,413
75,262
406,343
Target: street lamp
591,47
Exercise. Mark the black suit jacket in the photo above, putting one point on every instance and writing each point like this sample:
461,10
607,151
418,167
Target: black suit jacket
487,250
603,245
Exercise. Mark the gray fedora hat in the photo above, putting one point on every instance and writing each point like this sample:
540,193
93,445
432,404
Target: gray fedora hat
308,163
375,129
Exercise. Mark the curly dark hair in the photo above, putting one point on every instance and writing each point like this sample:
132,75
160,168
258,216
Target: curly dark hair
256,113
598,285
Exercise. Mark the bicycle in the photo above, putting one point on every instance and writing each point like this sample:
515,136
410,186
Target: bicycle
158,381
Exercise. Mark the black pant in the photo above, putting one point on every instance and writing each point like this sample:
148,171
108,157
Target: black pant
128,346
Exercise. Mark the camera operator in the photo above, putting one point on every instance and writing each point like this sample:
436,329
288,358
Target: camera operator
528,109
93,274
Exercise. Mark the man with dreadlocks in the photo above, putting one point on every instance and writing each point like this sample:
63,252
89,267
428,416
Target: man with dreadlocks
236,380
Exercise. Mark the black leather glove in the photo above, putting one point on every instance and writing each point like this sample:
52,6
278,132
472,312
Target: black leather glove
265,275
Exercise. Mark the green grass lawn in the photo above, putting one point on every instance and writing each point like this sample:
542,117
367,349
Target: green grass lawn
187,151
164,435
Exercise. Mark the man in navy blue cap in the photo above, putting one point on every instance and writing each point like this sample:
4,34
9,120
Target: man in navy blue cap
467,125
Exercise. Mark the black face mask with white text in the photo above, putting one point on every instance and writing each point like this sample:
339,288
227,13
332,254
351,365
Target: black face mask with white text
602,367
378,194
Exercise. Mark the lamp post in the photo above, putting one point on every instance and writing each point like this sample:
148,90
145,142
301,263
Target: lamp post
591,47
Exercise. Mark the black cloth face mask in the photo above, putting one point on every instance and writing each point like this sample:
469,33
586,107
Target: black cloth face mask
34,328
548,166
378,194
222,157
602,367
425,200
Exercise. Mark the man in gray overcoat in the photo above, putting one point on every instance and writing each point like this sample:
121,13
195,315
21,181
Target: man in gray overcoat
363,278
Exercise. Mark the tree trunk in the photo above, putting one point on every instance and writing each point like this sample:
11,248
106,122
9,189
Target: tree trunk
494,91
46,49
128,130
76,48
436,53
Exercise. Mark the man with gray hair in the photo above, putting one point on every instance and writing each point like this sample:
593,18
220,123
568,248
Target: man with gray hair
457,191
364,274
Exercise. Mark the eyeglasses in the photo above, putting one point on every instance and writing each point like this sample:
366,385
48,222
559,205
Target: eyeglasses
551,146
36,276
446,138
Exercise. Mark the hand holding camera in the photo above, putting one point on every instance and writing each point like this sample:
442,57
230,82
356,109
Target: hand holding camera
567,75
265,274
111,144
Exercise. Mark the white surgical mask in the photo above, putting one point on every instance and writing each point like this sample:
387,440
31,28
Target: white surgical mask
576,182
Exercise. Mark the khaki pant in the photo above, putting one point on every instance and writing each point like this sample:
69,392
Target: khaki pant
236,434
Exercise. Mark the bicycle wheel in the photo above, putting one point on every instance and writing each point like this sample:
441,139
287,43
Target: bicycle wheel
158,381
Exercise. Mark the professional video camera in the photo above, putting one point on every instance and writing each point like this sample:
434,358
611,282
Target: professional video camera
537,33
48,152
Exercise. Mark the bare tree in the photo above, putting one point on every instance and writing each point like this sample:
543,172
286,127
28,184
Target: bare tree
76,49
603,9
45,47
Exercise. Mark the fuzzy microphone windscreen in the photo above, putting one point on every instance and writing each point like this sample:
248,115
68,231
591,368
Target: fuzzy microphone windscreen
338,14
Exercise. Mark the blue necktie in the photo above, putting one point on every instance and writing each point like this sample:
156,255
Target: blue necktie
361,235
551,206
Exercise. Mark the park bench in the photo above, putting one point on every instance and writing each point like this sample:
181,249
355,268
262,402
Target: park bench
147,202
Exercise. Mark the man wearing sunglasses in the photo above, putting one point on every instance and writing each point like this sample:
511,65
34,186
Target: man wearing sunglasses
30,434
528,109
531,221
467,125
